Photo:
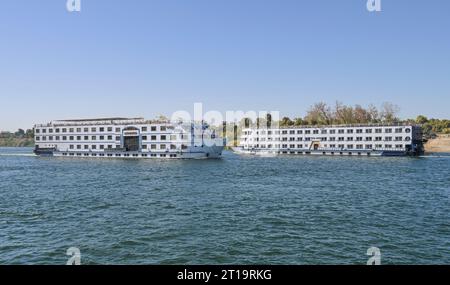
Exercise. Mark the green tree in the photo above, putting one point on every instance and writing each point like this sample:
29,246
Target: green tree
421,119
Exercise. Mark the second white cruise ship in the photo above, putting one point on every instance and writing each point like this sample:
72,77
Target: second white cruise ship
367,140
126,138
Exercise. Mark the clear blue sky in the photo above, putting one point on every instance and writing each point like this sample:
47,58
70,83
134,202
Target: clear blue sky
150,57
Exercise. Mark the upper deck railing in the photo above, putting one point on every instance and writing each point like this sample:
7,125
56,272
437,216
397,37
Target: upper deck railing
402,124
101,122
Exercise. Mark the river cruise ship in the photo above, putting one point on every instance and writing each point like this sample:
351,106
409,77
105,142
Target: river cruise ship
126,138
357,140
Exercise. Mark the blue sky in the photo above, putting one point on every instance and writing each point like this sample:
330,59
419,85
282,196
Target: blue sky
150,57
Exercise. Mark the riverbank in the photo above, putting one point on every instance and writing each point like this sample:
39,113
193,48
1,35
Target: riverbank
16,142
439,144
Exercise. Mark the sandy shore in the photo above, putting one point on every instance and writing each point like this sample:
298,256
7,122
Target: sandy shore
440,144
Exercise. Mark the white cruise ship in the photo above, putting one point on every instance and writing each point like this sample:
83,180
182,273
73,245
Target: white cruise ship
358,140
126,138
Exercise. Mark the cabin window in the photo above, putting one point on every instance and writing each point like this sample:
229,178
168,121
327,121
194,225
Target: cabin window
163,137
144,129
86,130
163,146
163,128
86,147
94,146
102,130
144,146
78,130
78,138
94,138
78,146
102,147
117,130
144,138
109,129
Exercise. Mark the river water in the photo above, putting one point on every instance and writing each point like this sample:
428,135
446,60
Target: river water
237,210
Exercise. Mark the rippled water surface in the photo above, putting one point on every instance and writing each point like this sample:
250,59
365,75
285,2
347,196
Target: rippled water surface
251,210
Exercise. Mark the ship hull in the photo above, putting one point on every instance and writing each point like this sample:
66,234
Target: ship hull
265,152
213,152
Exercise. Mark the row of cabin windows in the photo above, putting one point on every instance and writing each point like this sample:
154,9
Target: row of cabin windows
339,131
120,155
94,130
153,146
101,138
339,146
333,139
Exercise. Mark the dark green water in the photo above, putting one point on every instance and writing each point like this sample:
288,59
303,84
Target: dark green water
281,210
